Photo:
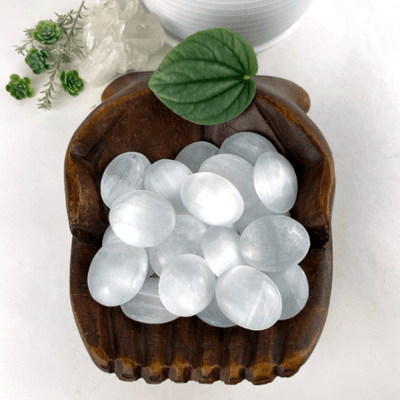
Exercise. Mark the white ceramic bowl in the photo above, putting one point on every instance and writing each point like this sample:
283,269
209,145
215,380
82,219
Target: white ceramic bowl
263,23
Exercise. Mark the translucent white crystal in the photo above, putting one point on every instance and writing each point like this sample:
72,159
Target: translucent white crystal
187,286
165,177
237,170
146,306
142,218
122,175
212,198
184,239
248,298
213,315
248,145
275,182
117,273
196,153
221,249
251,214
274,243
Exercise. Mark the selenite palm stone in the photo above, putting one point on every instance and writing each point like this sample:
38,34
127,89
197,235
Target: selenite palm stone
212,198
187,285
117,273
221,249
122,175
274,243
258,210
275,182
184,239
165,177
142,218
293,287
237,170
212,315
146,306
247,145
248,298
196,153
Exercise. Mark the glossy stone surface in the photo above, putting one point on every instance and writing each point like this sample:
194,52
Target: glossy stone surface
275,182
165,177
213,315
237,170
196,153
274,243
117,273
221,249
187,286
146,306
124,174
293,287
212,199
248,298
247,145
142,218
184,239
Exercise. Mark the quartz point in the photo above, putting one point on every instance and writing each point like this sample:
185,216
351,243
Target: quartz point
196,153
249,298
248,145
146,306
122,175
274,243
275,182
212,198
237,170
187,285
142,218
212,315
117,273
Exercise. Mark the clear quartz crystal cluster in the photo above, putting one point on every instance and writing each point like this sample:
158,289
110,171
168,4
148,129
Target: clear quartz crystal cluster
213,227
118,36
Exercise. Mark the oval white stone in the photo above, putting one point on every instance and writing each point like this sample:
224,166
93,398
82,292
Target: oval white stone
213,315
251,214
194,154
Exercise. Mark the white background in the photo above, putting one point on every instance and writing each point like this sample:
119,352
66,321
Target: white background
346,54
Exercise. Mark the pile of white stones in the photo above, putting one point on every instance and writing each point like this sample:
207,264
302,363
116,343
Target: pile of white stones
213,225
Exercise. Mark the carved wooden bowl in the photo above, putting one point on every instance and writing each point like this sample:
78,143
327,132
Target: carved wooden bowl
131,118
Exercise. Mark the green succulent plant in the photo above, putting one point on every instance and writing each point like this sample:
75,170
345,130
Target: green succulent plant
71,82
47,32
37,60
20,88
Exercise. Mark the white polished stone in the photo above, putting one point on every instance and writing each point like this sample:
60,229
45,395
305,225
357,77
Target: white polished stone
146,306
122,175
237,170
117,273
212,315
221,249
165,177
142,218
248,298
275,182
247,145
293,287
212,199
274,243
196,153
251,214
187,286
184,239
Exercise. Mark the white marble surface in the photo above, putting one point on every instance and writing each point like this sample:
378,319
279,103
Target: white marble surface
347,56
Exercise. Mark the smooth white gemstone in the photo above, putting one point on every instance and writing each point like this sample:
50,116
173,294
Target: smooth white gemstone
293,286
213,315
187,286
221,249
274,243
165,177
248,298
184,239
196,153
146,306
122,175
117,273
251,214
142,218
237,170
275,182
212,199
247,145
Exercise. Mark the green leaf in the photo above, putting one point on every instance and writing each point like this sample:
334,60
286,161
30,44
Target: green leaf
206,78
